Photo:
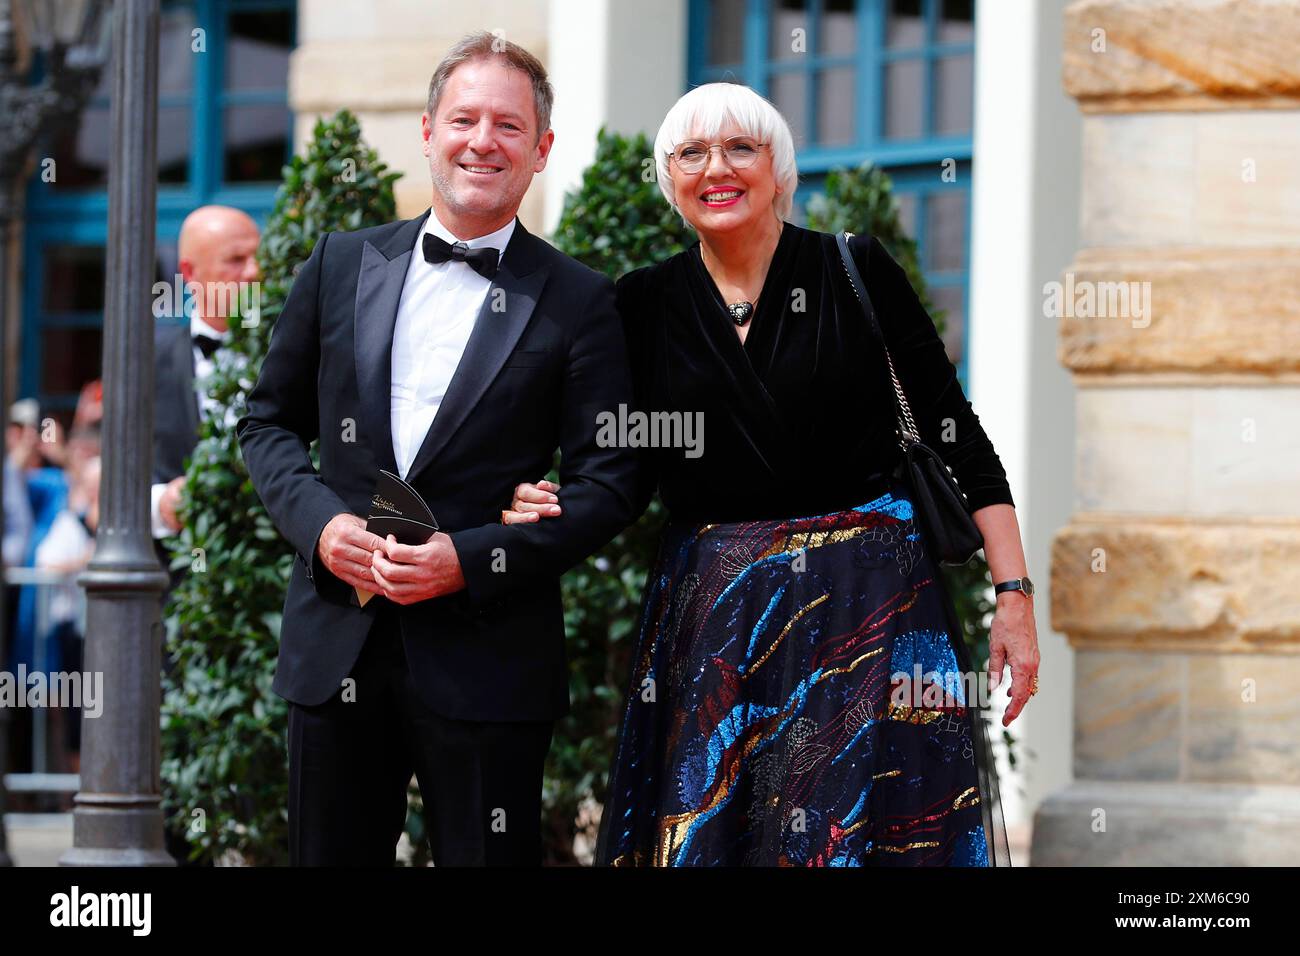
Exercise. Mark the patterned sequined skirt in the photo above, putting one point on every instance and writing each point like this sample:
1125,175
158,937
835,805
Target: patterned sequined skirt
800,696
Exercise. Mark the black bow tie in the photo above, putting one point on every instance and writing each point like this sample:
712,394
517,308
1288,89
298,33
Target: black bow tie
207,344
483,261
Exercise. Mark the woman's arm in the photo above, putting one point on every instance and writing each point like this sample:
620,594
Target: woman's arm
949,424
1013,636
1002,550
944,416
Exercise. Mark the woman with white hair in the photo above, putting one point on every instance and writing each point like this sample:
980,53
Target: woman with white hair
774,716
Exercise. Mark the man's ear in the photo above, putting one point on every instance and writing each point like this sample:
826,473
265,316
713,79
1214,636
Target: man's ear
544,150
426,131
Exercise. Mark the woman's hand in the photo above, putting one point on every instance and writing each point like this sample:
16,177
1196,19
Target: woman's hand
532,502
1013,636
1013,639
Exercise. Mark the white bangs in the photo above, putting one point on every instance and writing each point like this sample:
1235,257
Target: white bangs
705,110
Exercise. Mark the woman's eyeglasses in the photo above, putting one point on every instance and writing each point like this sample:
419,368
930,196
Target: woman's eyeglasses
739,152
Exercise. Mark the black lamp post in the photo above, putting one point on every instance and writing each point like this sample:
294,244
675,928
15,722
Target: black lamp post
71,38
117,818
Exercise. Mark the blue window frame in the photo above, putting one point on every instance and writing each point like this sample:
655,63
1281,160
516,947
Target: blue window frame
224,131
885,80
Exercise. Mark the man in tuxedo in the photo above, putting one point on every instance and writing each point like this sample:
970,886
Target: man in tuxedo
457,351
217,248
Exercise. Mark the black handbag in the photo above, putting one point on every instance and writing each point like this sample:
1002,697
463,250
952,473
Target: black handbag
938,500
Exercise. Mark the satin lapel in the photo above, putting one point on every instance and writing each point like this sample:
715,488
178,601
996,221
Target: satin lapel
379,292
517,285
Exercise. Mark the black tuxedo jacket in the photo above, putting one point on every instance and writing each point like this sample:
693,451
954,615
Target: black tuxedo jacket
175,415
175,406
546,355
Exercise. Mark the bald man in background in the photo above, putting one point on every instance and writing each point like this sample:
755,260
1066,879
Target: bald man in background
217,247
217,244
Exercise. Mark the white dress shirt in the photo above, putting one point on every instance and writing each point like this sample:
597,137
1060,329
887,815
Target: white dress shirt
440,303
203,366
202,369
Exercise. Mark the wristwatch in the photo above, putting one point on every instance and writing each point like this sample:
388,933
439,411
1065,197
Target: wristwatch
1016,584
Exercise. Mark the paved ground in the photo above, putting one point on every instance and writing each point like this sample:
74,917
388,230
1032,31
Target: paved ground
39,839
1018,840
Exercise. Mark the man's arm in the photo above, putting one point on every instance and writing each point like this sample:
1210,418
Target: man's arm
282,420
597,483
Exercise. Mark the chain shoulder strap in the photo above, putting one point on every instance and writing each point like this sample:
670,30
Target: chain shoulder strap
907,430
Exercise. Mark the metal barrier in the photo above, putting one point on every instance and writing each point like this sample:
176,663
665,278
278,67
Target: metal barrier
42,782
50,586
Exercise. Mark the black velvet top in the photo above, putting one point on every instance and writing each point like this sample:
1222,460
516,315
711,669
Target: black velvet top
797,417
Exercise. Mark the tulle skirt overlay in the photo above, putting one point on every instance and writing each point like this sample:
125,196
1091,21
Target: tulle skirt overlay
800,696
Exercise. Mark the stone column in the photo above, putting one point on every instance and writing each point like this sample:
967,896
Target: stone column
1177,580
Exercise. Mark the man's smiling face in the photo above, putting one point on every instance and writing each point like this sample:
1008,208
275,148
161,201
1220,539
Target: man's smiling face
483,146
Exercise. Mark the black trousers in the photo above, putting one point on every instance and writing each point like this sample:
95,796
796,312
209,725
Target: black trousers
351,760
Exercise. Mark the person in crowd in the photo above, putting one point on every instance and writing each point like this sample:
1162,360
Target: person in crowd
66,550
17,536
18,515
35,451
217,248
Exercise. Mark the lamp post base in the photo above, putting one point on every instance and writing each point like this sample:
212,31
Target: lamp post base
108,831
85,856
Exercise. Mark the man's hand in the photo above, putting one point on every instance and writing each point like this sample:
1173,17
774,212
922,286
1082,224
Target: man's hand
410,573
345,547
170,502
